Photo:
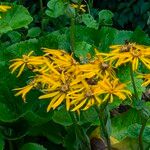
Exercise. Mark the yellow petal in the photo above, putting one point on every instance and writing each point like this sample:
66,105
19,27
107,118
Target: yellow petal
63,78
111,98
85,84
52,68
89,104
53,101
30,53
67,103
79,105
16,67
59,101
106,97
49,95
21,70
98,99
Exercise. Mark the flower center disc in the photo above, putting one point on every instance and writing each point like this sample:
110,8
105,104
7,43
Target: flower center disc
64,88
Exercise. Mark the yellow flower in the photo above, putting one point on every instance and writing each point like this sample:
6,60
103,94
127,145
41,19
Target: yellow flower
63,80
49,81
104,68
131,53
111,88
4,8
61,58
25,61
83,97
56,91
98,67
146,78
79,7
24,90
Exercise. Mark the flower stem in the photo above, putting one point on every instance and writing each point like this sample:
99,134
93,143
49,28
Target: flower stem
88,7
72,34
91,3
10,145
79,132
133,83
41,7
141,135
101,113
137,99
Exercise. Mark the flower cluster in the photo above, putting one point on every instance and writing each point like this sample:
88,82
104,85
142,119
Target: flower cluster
129,53
64,80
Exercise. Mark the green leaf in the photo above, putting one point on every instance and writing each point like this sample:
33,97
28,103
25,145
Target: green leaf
145,7
70,140
76,138
134,130
81,51
140,37
14,36
58,40
36,118
32,118
126,144
123,73
89,115
32,146
89,21
148,20
34,32
75,1
121,123
105,17
122,36
70,11
82,137
106,36
2,142
115,103
61,116
52,131
109,36
20,124
20,48
56,8
6,115
17,17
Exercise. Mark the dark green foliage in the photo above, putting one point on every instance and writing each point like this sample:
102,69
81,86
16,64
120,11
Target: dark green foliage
28,125
128,14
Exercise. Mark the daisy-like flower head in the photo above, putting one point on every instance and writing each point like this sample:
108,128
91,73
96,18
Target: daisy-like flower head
24,90
112,87
104,68
83,97
79,7
146,78
131,53
98,67
26,61
4,8
56,91
60,58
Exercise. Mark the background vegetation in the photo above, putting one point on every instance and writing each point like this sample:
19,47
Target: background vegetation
32,24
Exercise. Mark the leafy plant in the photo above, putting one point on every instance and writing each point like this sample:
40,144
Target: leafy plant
77,36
